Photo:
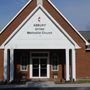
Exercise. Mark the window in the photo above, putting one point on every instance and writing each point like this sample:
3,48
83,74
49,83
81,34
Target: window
24,62
55,62
23,67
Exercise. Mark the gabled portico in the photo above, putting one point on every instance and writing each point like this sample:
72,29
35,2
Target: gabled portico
39,31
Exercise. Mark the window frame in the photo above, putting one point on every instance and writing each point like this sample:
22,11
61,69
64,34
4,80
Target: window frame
21,69
52,69
21,62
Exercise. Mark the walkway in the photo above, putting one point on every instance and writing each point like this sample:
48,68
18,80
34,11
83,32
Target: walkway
47,84
52,84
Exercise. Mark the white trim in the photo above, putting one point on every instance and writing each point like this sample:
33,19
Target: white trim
69,22
5,64
67,65
39,6
55,70
40,2
15,16
22,69
1,47
48,66
88,49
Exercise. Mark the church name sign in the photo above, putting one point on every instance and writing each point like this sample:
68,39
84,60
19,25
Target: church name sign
39,28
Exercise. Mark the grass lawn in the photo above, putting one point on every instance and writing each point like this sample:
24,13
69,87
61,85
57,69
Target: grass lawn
84,81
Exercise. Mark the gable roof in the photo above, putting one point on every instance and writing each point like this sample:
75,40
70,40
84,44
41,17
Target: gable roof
86,34
54,34
53,11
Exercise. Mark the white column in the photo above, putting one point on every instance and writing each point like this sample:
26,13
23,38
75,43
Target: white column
11,65
48,66
5,64
67,65
73,65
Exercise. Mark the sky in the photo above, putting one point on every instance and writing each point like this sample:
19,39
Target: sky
76,11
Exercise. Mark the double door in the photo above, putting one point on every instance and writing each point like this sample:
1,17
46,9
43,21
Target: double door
39,67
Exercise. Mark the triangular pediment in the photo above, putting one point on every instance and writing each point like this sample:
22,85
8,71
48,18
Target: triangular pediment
40,31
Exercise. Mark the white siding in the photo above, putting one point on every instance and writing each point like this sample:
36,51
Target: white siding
56,39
